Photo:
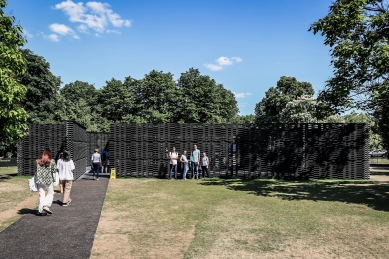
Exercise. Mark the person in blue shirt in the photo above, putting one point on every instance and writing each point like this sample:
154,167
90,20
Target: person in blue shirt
195,162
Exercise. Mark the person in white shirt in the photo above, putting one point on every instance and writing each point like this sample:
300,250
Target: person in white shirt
65,171
173,163
205,165
184,160
96,164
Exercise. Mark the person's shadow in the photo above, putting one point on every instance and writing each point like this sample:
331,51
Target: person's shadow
25,211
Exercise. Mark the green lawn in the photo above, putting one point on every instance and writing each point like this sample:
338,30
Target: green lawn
154,218
379,160
12,170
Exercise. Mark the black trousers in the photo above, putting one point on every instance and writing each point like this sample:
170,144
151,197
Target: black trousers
204,170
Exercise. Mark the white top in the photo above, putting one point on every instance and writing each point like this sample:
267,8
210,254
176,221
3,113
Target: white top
204,161
184,158
96,158
65,169
173,155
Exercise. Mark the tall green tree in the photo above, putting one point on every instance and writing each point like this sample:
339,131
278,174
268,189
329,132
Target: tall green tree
78,90
202,100
42,101
155,97
12,116
116,101
82,105
289,98
357,32
381,115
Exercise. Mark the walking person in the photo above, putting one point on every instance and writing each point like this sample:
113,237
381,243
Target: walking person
173,163
96,164
104,159
45,177
184,160
195,163
205,165
66,168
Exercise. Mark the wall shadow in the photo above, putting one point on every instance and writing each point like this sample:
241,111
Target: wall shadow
375,196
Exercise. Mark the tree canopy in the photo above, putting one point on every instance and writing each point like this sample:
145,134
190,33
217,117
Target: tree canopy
12,116
42,101
289,98
357,32
202,100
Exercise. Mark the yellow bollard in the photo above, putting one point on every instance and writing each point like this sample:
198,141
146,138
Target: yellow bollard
113,173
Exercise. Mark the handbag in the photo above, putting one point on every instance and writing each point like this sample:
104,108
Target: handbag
56,179
32,184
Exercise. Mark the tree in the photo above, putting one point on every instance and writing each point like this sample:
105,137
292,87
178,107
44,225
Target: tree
357,32
78,90
116,101
202,100
243,119
155,98
42,101
12,116
289,98
381,100
82,104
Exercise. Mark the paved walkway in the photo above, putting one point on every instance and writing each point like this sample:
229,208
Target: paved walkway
67,233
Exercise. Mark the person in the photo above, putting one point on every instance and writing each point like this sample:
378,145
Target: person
60,158
65,168
104,158
195,163
96,164
173,163
45,177
184,160
205,165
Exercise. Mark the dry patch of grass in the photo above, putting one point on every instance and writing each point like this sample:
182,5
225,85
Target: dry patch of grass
14,196
243,219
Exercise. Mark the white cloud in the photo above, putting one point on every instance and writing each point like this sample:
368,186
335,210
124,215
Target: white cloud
94,15
113,31
53,37
61,29
241,95
26,34
224,61
213,67
221,62
236,59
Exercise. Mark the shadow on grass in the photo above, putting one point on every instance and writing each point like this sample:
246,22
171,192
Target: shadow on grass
375,196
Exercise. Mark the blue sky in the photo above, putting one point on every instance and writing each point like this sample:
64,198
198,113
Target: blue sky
244,45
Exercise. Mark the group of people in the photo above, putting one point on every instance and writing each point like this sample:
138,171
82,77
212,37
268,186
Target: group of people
45,178
194,162
46,173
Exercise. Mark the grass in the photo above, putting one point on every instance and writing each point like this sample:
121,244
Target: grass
12,170
149,218
14,197
379,160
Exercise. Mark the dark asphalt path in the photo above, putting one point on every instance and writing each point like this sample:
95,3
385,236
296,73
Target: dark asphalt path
68,233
